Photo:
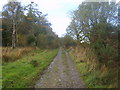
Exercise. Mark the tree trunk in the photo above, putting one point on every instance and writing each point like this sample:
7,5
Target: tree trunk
14,37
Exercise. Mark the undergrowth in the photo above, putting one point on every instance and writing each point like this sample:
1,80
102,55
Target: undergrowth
94,74
10,55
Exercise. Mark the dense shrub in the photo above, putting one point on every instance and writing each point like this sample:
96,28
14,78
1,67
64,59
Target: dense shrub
31,39
103,42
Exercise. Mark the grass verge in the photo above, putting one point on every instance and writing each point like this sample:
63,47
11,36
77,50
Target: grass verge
23,72
102,77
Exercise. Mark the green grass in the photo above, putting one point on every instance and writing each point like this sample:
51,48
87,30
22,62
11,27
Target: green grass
22,73
89,78
93,79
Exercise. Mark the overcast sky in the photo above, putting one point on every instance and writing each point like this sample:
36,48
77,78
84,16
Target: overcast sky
57,11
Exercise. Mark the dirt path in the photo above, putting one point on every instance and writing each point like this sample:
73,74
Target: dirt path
60,74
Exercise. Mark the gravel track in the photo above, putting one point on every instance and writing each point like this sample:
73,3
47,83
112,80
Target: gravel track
60,74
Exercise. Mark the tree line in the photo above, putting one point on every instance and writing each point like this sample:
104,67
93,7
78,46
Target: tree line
26,26
96,24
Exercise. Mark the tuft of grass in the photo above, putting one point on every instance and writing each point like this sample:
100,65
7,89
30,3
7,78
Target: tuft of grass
9,54
23,72
34,63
